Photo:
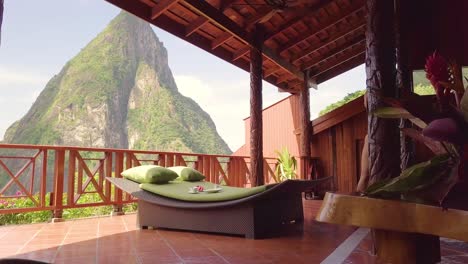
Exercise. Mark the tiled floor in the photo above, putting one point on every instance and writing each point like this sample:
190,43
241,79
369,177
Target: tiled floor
117,240
452,251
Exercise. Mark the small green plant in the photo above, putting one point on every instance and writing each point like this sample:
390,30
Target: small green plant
285,165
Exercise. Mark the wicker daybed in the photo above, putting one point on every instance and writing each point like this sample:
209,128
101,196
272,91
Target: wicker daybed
257,216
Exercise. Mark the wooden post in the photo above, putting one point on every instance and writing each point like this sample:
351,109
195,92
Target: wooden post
59,174
256,126
383,134
404,79
306,128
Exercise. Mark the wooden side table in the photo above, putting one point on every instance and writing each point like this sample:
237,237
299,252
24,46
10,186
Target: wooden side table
405,232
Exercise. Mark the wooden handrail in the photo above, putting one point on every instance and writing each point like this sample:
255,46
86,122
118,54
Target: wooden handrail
58,177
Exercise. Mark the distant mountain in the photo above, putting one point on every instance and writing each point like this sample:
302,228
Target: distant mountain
118,92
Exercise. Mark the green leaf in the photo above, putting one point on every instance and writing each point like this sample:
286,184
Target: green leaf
392,112
398,112
414,178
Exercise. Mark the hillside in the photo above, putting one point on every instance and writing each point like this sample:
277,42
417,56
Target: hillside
118,92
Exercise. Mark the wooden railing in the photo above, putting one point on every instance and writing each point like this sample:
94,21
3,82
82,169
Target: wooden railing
57,177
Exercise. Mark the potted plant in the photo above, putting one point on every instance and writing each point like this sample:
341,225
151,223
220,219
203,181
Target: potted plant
285,165
443,127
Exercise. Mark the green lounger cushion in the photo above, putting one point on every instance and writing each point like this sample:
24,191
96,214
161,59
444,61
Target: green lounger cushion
179,190
187,174
150,174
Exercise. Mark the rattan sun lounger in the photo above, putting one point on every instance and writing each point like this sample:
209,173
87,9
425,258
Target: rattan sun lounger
257,216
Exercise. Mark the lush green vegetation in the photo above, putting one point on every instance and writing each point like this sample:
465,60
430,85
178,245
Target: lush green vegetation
346,99
420,89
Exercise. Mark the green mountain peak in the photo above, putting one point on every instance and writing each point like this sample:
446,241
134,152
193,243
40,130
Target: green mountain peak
118,92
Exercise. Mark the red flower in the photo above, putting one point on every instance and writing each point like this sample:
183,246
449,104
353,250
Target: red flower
437,70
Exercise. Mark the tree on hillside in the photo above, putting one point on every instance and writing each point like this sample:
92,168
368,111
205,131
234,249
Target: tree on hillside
420,89
346,99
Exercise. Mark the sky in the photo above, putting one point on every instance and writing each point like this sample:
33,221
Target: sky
39,37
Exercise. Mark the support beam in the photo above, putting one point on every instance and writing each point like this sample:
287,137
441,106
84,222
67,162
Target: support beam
270,72
221,40
195,25
359,41
161,7
337,62
404,80
283,78
383,134
261,16
225,4
306,128
240,53
333,22
341,68
300,15
256,119
329,40
215,16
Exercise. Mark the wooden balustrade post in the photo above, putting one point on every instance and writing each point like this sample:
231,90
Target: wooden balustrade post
71,177
59,168
118,194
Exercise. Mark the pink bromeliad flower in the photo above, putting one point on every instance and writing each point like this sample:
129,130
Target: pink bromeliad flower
437,72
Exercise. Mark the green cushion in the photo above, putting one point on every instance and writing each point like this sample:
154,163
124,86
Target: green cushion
188,174
179,190
149,174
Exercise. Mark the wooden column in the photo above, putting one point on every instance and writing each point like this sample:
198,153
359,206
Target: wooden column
404,77
306,128
256,126
383,134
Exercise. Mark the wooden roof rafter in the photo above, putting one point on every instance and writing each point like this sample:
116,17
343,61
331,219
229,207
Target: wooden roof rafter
224,29
300,15
351,11
357,41
340,59
330,39
207,10
161,7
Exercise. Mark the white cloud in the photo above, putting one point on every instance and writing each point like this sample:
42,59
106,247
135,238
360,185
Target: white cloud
21,77
228,102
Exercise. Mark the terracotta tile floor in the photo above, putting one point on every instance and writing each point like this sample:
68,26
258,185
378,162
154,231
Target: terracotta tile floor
118,240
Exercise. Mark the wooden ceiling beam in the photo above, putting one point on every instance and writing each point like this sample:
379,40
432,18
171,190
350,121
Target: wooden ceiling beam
161,7
225,4
334,37
283,78
240,53
360,41
221,40
210,12
333,22
148,2
337,62
270,71
195,25
342,68
300,15
259,16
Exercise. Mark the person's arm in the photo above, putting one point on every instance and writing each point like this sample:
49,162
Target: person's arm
364,177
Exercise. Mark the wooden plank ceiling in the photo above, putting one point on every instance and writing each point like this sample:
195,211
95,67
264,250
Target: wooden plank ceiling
326,37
